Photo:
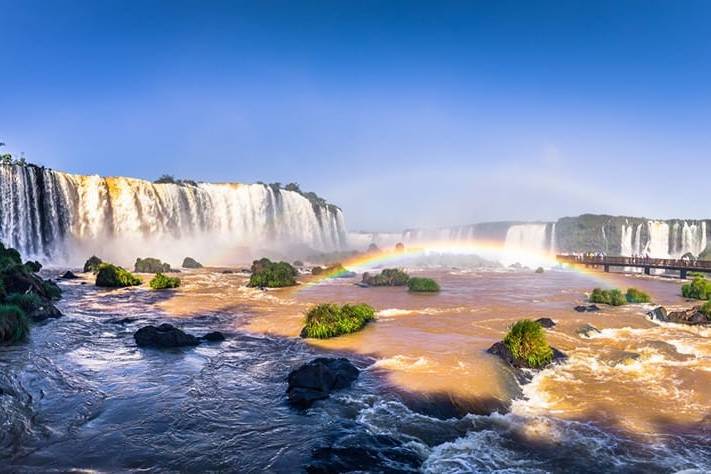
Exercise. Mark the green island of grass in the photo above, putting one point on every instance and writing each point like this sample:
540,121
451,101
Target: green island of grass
162,282
634,295
527,342
612,297
698,289
113,276
422,285
387,277
268,274
330,320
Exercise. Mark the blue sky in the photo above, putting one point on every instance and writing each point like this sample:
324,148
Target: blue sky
403,113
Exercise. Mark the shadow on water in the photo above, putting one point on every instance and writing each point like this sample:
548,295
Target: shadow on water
80,394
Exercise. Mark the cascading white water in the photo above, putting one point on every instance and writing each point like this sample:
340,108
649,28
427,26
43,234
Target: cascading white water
693,239
525,244
626,245
49,214
658,243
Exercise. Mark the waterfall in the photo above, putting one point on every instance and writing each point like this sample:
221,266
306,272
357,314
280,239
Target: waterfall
553,243
626,245
693,239
52,215
658,244
525,243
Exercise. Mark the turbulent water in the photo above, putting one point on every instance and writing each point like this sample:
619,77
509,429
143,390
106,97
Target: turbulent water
631,398
53,216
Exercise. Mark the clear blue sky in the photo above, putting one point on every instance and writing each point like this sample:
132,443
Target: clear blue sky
403,113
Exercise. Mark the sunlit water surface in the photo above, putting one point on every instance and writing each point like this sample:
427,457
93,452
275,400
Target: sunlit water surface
635,397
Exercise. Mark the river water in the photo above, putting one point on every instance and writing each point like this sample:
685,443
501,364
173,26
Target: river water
634,397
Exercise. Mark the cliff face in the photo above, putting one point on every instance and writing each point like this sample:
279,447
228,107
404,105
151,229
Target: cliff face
53,215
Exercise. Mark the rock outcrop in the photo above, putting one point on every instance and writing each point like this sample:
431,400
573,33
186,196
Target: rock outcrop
692,316
190,262
317,379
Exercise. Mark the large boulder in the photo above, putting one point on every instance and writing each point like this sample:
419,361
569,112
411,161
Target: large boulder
692,316
587,308
190,262
46,311
69,275
317,379
164,336
546,322
92,264
151,265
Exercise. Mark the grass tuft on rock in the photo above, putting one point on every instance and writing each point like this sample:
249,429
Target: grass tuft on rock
422,285
612,297
162,282
330,320
92,264
388,277
698,289
527,341
14,325
27,302
268,274
113,276
636,296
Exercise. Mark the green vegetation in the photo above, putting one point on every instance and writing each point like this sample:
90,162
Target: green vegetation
113,276
27,302
388,277
330,320
170,179
335,270
14,325
422,285
527,342
92,265
705,309
150,265
612,297
698,289
266,273
634,295
161,282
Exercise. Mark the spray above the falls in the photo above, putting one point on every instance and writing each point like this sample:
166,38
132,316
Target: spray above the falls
55,215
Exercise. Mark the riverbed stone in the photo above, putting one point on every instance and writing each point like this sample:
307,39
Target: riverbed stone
587,329
587,308
164,336
215,336
318,378
69,275
546,322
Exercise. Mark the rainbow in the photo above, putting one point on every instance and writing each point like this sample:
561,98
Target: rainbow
493,251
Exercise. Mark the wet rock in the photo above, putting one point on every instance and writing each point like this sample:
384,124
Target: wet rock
546,322
164,336
692,316
69,275
44,312
587,308
317,379
499,349
120,320
540,270
586,330
658,314
623,358
215,336
92,264
151,265
190,262
227,272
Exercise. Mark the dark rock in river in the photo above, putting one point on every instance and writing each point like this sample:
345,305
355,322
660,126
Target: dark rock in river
190,262
120,320
587,308
500,349
164,336
691,316
92,264
69,275
151,265
44,312
586,329
215,336
546,322
317,379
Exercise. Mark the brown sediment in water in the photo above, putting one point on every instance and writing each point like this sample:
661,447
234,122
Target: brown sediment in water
632,375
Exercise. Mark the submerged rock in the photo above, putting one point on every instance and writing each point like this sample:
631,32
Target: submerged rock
215,336
44,312
586,329
317,379
587,308
546,322
69,275
164,336
120,320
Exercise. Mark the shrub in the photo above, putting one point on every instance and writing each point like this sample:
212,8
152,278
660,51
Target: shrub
150,265
527,342
190,262
705,309
113,276
422,285
330,320
92,264
266,273
634,295
51,289
161,282
699,288
33,266
612,297
14,325
27,302
388,277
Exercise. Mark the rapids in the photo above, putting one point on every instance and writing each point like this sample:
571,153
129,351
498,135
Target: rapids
632,398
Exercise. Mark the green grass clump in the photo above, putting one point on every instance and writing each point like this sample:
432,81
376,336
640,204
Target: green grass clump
266,273
388,277
330,320
92,264
27,302
161,282
612,297
14,325
698,289
634,295
705,309
113,276
422,285
527,342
